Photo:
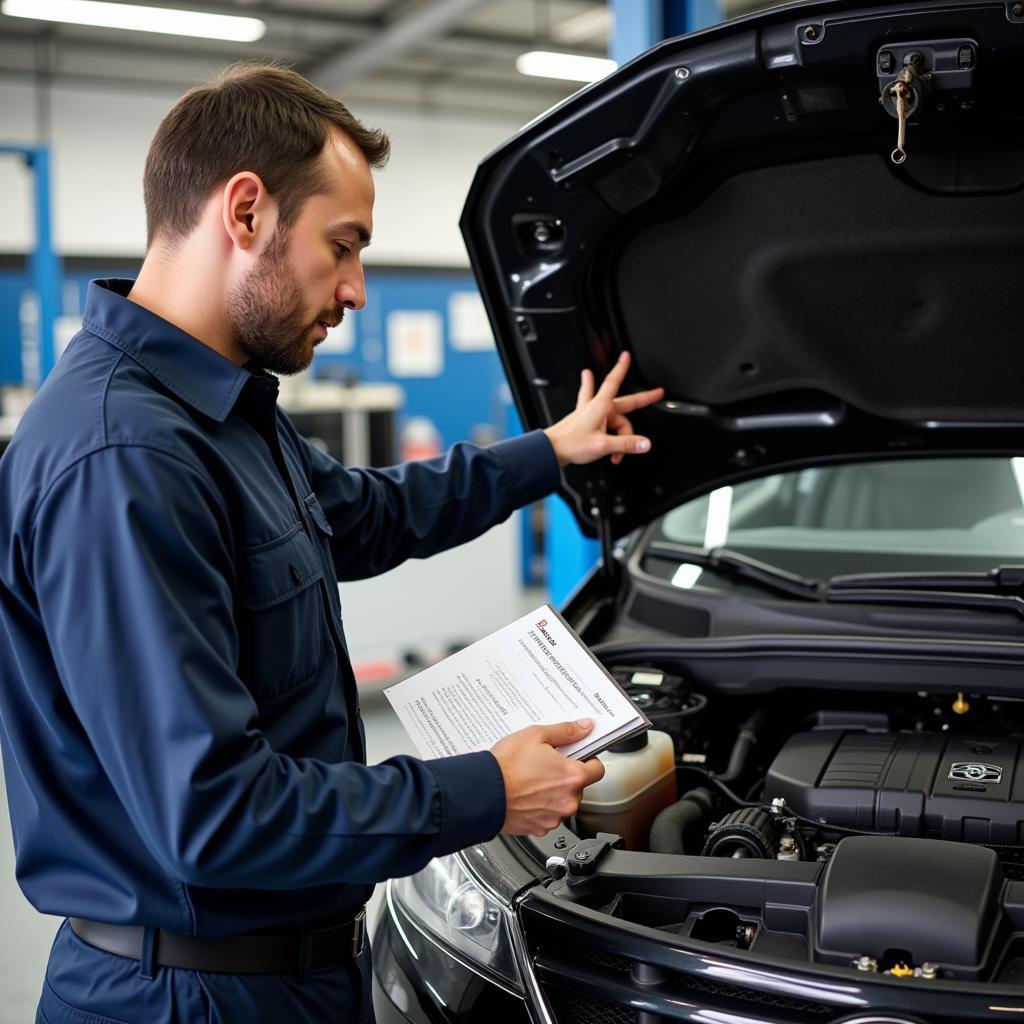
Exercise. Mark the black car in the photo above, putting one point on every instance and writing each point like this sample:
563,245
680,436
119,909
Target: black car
808,225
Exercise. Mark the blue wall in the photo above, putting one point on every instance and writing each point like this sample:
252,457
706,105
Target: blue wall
469,394
471,390
14,282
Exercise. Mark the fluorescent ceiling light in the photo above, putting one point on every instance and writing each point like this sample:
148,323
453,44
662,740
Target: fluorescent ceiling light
139,18
568,66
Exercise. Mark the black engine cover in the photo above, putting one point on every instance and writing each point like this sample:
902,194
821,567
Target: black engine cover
929,900
913,784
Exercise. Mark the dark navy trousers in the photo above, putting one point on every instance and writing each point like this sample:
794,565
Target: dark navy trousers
85,985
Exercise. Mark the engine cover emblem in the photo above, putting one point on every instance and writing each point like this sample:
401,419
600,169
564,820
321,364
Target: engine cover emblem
972,771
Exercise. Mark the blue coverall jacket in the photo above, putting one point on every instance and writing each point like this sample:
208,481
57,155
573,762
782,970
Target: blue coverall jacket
179,720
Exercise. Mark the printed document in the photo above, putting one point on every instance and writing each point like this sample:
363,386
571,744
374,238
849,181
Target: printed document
534,671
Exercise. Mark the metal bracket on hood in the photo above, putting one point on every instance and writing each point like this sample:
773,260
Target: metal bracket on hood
621,147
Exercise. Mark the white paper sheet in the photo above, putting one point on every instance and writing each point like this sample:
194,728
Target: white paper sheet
533,671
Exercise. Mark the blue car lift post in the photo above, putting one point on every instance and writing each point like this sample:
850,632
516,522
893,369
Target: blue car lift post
639,24
43,263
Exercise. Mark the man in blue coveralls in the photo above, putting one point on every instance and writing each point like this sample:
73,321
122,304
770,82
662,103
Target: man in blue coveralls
182,744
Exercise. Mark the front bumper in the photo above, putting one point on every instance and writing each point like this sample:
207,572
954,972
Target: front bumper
584,967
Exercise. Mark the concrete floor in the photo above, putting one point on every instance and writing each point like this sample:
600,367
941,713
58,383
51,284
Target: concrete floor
422,605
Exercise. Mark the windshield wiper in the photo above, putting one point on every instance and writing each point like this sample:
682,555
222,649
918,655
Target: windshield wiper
732,563
1000,589
1003,579
933,598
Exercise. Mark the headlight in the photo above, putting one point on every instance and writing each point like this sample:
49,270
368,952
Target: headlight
452,908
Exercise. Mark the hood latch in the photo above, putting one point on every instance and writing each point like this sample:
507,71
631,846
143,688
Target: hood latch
909,72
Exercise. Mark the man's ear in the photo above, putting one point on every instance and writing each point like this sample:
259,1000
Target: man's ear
247,211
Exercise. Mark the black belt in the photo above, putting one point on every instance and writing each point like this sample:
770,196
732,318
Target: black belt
294,953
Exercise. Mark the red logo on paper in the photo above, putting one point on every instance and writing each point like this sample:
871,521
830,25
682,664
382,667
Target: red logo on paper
542,623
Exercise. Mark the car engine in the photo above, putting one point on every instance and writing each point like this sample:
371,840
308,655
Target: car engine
930,785
920,766
902,814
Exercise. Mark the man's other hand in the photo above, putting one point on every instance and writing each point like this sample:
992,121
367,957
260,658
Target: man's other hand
541,785
598,425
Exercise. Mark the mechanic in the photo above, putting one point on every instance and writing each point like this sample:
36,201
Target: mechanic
183,751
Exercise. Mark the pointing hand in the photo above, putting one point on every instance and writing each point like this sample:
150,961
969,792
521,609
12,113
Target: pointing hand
598,426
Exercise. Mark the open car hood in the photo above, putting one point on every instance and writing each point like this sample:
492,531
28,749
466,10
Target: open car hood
726,208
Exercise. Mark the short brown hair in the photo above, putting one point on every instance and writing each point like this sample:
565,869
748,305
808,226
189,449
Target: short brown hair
252,117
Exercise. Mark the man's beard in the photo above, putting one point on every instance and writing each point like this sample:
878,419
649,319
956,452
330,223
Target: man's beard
267,317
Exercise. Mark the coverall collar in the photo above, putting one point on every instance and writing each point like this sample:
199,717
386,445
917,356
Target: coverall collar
197,374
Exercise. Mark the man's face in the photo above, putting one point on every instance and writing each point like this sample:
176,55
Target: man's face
307,275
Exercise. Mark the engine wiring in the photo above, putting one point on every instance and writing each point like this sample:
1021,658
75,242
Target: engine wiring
721,786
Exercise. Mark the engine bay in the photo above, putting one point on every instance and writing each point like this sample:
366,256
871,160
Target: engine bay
880,831
791,773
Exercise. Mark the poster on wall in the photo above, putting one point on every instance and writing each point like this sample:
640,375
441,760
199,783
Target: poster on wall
415,343
467,319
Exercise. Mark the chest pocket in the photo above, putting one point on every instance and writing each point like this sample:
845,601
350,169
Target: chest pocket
281,615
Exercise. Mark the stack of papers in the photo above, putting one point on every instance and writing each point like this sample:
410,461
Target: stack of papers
534,671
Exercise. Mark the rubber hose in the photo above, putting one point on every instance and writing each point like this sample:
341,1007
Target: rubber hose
745,742
668,833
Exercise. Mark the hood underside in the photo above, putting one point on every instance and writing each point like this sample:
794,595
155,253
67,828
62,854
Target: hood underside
726,208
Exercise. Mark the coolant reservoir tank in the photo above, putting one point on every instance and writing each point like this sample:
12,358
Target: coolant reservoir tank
639,781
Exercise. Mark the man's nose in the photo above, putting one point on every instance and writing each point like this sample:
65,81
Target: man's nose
351,290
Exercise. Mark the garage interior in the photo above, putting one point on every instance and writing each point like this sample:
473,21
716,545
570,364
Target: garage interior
78,105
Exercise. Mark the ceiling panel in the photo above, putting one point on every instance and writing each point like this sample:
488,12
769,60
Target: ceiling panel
470,66
340,8
531,19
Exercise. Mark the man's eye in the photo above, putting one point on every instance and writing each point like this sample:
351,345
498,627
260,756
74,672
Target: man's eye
341,250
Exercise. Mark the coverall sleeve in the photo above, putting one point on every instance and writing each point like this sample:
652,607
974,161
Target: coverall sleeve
132,554
381,517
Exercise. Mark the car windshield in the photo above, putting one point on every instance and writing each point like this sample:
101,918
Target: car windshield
893,516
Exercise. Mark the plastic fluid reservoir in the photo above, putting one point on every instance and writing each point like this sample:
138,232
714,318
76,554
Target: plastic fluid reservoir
639,781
